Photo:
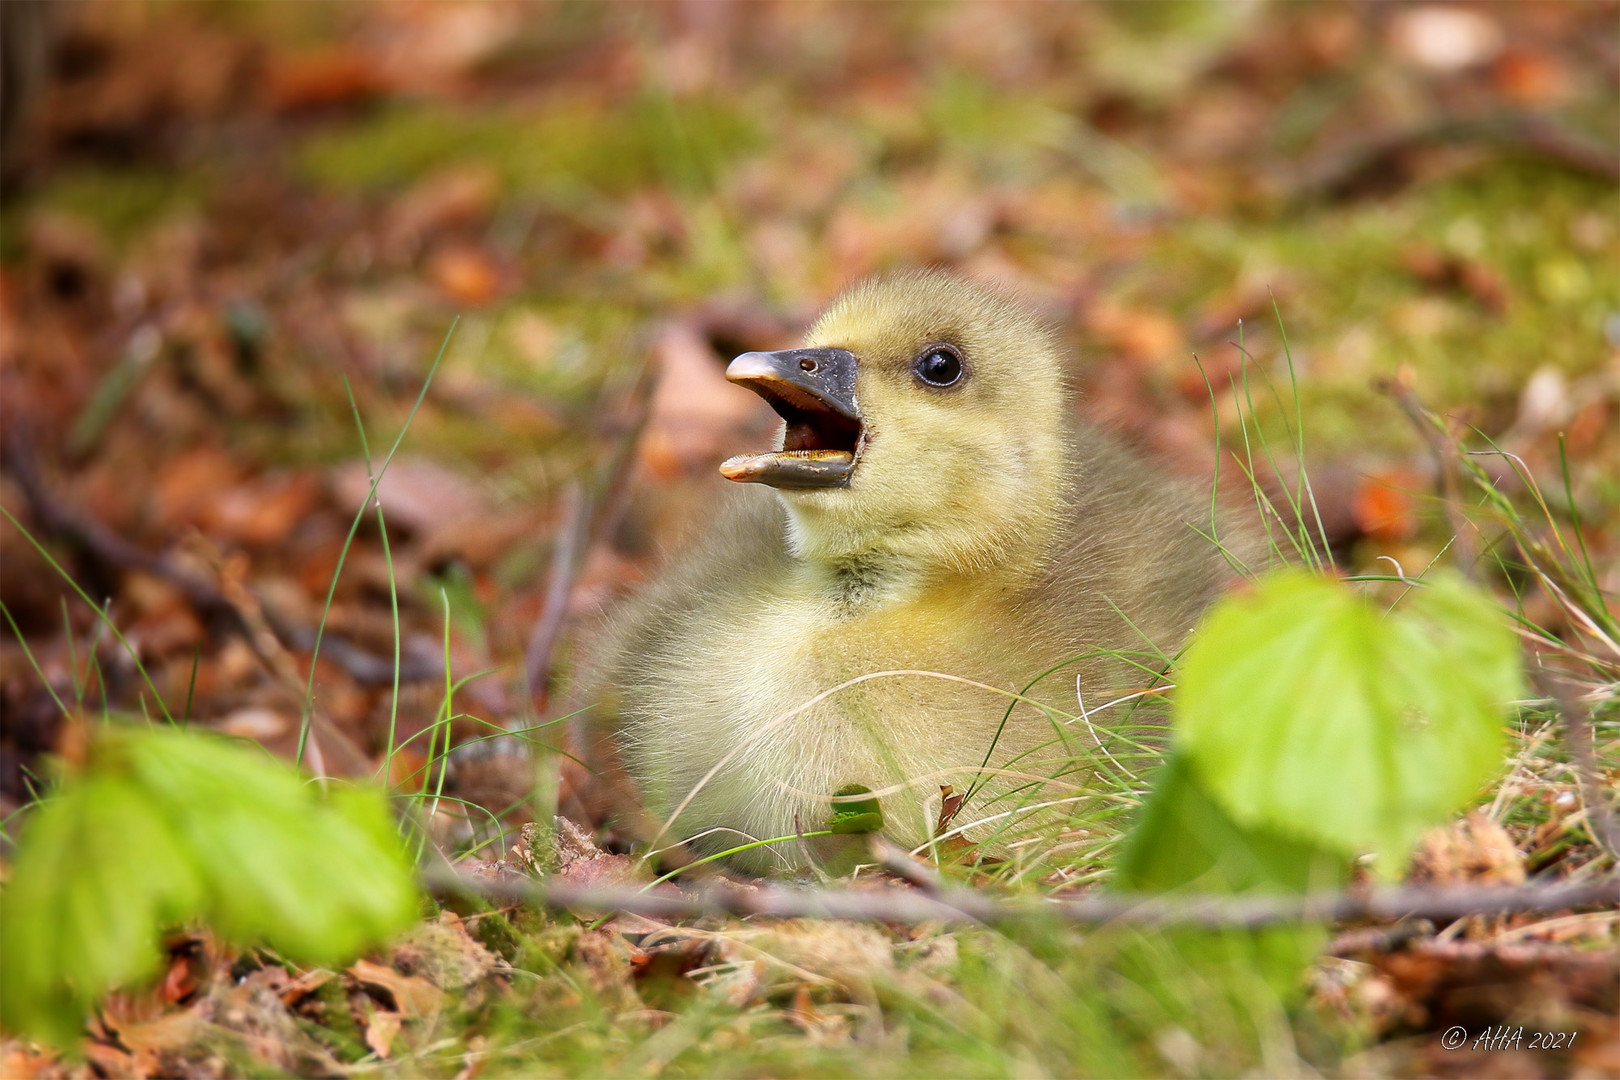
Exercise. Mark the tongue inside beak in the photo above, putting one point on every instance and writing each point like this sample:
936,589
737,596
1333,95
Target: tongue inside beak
813,390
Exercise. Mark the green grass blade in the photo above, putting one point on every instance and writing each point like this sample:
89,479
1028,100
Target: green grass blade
106,619
348,541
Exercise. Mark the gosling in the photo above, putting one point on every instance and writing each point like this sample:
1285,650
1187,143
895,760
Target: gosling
934,510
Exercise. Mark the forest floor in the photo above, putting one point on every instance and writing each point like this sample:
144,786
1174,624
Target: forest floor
234,231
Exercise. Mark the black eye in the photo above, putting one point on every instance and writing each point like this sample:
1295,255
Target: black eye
939,366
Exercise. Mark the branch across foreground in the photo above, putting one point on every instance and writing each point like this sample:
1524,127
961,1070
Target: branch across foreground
953,905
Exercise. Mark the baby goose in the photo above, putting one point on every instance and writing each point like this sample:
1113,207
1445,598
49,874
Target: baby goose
935,510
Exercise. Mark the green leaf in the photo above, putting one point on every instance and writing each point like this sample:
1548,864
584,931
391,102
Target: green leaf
1305,711
317,878
1184,838
164,826
98,874
851,815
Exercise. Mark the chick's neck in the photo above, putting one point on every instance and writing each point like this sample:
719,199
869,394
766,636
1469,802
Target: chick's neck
860,569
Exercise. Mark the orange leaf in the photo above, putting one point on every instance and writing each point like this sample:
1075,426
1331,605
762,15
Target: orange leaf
1384,506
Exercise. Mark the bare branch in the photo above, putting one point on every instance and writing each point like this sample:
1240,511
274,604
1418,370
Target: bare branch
957,905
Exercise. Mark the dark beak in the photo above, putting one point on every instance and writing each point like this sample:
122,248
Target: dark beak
813,390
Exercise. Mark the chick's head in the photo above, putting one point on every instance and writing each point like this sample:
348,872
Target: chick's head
925,427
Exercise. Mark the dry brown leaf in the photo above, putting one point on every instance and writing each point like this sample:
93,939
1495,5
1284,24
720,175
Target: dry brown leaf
1478,984
580,862
434,45
1597,1052
165,622
406,768
191,962
110,1061
260,724
603,870
662,971
263,511
1384,504
382,1028
572,842
1457,273
697,416
460,196
154,1044
416,493
465,274
480,541
306,984
1137,333
254,1014
411,995
322,78
20,1061
188,484
1532,77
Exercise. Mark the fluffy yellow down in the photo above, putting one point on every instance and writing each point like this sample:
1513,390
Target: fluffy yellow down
984,534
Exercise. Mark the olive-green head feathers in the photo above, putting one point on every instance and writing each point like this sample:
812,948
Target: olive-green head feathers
925,428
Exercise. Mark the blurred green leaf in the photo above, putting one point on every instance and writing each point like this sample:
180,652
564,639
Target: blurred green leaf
164,826
855,815
1184,838
1305,711
98,875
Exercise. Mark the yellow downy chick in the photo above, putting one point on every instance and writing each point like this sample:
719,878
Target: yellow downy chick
936,510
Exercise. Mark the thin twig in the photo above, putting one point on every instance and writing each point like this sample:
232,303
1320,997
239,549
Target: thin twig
1339,170
958,905
586,519
903,864
1444,450
1577,722
614,493
572,537
1364,940
367,669
73,524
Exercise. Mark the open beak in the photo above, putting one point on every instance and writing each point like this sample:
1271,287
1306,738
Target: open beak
813,390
